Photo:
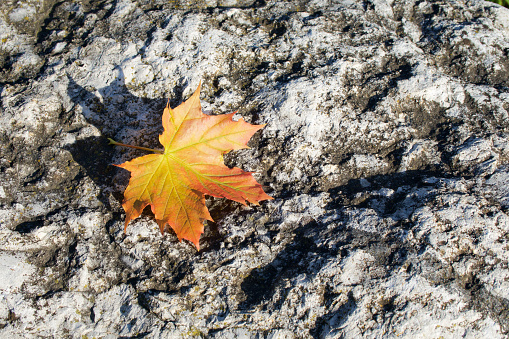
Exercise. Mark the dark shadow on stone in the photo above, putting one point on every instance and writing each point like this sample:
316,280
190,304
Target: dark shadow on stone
92,315
314,243
110,115
261,284
95,157
363,192
218,208
330,324
487,303
403,72
29,226
305,255
116,106
302,253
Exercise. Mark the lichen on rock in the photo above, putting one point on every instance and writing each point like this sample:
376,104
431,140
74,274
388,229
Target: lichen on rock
386,149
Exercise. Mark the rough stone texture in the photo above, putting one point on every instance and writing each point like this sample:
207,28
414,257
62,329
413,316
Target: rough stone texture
386,150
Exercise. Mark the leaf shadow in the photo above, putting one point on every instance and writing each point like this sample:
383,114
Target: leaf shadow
118,114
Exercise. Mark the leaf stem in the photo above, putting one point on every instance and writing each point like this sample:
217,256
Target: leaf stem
114,143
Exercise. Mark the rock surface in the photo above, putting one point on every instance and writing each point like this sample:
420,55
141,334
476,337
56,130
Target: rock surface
386,150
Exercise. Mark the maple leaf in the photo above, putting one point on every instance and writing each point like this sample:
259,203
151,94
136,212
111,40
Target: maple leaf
174,182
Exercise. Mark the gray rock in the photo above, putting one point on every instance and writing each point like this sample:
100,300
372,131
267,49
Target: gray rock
386,149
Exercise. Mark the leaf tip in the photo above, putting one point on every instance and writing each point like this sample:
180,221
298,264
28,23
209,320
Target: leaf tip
197,91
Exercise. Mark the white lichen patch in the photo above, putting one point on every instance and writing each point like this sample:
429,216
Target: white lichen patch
15,270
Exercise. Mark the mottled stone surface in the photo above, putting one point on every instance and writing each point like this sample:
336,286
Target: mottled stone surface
386,150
